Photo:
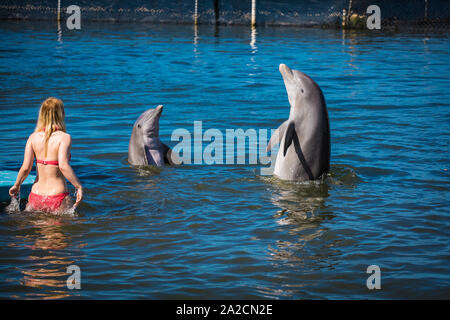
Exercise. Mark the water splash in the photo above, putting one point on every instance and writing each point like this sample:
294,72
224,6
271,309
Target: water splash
69,212
14,206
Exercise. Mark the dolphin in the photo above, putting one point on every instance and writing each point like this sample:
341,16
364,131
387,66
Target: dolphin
145,147
304,138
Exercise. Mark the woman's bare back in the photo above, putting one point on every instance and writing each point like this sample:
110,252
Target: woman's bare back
49,180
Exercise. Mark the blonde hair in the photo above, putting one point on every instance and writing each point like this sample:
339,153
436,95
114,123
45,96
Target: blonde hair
51,119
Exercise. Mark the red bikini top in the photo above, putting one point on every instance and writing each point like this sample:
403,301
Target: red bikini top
54,163
51,162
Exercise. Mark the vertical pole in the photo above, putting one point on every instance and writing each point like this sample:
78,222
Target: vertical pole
348,12
196,12
216,11
344,18
253,13
59,11
195,25
58,19
426,10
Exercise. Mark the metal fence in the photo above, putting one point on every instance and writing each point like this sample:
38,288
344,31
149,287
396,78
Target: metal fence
403,13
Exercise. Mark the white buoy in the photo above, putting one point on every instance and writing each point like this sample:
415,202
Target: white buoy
253,13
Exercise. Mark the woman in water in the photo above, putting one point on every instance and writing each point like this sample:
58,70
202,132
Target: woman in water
51,145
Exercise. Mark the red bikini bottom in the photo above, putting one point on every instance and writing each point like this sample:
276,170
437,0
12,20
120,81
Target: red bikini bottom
51,203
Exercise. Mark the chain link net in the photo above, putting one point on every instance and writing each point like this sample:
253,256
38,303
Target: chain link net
329,13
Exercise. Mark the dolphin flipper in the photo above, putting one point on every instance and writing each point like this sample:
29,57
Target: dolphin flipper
167,154
290,134
276,137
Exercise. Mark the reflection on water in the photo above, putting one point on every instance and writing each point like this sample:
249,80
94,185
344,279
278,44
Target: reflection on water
349,45
59,32
195,38
253,40
48,257
307,244
302,208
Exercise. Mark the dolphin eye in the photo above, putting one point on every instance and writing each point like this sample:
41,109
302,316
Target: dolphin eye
138,125
302,90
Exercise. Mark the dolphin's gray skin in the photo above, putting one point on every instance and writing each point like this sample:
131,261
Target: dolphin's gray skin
145,147
305,137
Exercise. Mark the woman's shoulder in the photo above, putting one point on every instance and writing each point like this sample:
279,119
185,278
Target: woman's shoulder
34,135
64,136
56,133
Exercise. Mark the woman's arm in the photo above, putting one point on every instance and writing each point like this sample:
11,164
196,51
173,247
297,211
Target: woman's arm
66,169
25,169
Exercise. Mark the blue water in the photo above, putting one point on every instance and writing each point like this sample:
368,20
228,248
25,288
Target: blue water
226,231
